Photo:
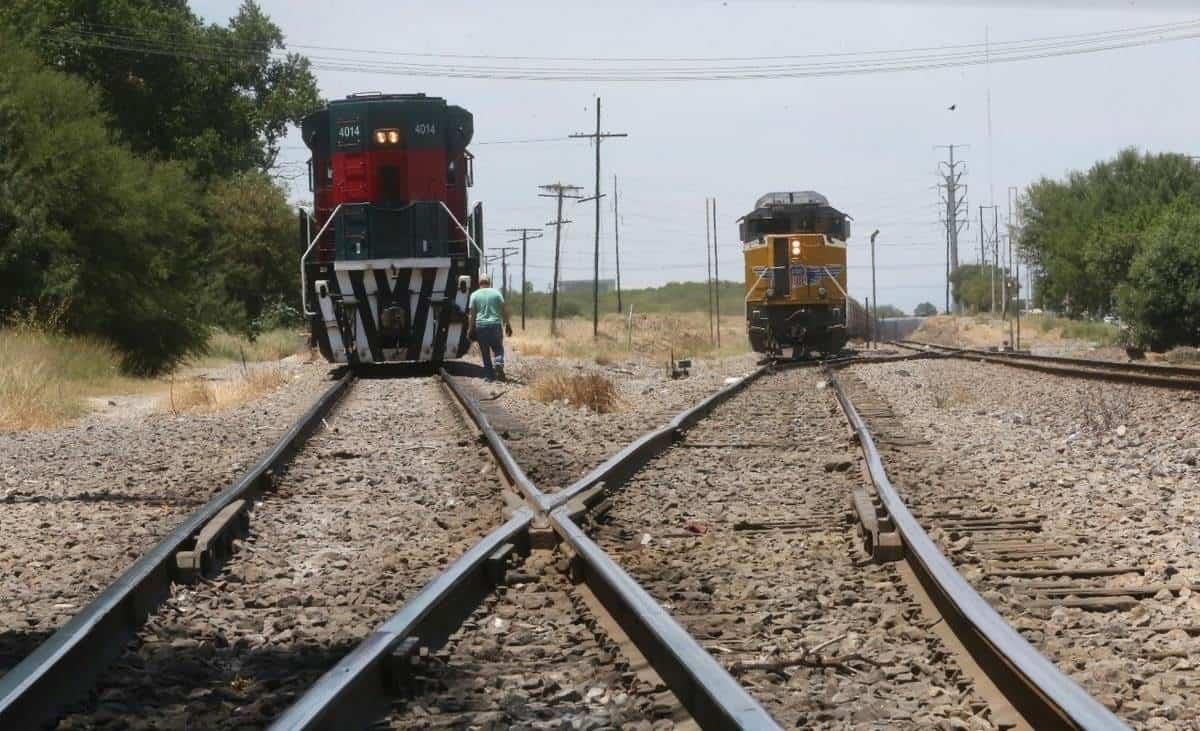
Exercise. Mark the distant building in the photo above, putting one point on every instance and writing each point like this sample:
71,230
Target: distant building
585,285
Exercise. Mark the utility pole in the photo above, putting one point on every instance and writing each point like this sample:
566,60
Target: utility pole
559,191
502,255
955,212
526,234
597,136
874,296
1013,197
708,269
995,252
716,270
617,242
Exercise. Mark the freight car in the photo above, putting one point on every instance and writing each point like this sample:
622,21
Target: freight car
391,252
794,247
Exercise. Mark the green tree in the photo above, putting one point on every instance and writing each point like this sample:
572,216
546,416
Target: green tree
925,309
889,311
1083,233
1161,298
218,97
971,284
252,253
87,227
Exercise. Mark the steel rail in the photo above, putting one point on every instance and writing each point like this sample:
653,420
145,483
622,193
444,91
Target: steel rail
1166,376
710,694
357,690
495,444
67,664
1045,696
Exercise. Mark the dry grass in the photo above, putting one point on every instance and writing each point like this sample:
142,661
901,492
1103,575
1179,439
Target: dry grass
1104,408
197,394
224,347
1183,355
654,337
588,390
45,377
981,331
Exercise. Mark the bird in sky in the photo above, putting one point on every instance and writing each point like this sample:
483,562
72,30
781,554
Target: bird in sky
952,107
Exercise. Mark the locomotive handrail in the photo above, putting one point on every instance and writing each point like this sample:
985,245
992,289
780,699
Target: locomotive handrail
754,286
470,238
846,309
304,256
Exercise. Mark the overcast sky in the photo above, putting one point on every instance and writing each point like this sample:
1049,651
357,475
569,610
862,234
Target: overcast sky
866,142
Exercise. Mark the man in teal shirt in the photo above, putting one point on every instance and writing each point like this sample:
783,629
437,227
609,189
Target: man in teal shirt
487,311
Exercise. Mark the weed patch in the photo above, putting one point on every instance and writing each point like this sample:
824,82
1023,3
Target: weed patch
592,391
196,394
1104,408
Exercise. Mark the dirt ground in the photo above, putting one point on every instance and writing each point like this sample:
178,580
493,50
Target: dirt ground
979,332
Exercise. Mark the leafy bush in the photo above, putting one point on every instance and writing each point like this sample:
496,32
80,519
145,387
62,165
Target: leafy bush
222,116
1085,233
925,309
972,286
1162,297
110,238
253,256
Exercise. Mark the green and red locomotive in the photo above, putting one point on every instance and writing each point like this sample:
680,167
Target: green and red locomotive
392,251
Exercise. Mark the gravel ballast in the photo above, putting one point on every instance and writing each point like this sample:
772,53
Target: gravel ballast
378,502
557,443
1107,473
739,531
79,505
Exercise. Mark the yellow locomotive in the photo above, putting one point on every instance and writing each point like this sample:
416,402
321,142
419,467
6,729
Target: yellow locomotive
794,246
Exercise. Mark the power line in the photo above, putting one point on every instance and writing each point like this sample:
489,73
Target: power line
523,142
1037,41
714,69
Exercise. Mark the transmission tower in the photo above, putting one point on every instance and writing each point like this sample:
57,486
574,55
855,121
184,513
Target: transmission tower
954,212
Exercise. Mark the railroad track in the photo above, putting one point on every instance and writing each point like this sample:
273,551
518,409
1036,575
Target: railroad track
740,530
1165,376
500,636
1093,576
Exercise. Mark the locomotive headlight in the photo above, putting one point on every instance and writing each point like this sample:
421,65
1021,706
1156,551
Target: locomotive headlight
393,136
795,247
380,136
821,292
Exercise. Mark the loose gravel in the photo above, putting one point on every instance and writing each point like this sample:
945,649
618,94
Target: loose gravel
79,505
534,655
1107,473
376,504
740,531
556,443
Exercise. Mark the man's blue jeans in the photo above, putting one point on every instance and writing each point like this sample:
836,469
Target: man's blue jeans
490,339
